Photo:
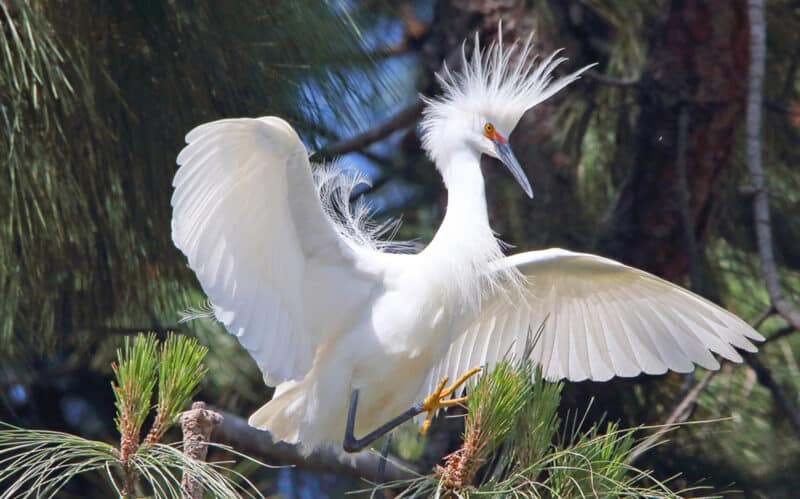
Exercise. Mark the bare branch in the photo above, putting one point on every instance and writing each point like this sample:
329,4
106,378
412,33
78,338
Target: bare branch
760,201
761,198
235,431
763,316
403,118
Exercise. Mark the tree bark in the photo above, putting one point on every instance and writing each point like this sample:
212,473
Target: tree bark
697,65
197,425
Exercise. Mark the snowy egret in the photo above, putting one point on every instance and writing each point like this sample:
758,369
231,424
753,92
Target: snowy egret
352,334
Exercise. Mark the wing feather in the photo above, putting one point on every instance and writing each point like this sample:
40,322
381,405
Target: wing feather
603,319
597,350
247,215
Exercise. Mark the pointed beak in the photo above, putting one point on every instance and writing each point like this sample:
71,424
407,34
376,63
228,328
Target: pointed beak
506,155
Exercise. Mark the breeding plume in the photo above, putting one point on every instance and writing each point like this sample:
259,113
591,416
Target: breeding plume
354,336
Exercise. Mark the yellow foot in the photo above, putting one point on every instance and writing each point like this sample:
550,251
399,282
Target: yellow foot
436,400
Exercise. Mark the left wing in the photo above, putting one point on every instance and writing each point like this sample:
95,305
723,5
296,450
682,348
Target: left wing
248,217
600,319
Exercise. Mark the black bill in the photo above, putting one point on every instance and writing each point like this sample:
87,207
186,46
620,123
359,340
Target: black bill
506,155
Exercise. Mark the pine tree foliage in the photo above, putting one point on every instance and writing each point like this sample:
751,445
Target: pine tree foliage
515,445
39,463
180,370
133,389
94,109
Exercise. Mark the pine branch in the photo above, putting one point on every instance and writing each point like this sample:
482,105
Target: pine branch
612,80
133,390
509,448
38,463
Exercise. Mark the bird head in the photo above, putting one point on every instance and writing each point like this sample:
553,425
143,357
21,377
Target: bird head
482,102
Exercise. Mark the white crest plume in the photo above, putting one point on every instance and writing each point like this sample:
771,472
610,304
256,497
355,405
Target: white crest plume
497,83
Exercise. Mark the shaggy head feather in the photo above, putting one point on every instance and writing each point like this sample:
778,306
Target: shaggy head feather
496,85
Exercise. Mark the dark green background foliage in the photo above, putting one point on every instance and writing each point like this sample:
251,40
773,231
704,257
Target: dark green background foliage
642,160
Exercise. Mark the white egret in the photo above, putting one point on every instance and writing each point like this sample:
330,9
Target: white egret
326,312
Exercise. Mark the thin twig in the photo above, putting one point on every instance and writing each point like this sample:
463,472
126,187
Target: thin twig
403,118
758,34
679,414
780,333
612,80
782,400
763,316
684,408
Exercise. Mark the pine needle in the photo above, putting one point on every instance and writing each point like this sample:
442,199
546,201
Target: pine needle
180,370
512,448
39,463
135,372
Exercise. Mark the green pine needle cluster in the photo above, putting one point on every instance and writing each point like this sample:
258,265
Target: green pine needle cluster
38,463
180,370
133,388
515,446
177,367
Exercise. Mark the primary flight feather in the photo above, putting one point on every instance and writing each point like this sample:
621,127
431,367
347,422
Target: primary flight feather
326,312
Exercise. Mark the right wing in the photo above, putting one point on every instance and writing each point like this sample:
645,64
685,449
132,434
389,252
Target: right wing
599,318
247,215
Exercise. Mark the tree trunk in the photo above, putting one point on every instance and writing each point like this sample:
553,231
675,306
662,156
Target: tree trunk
696,80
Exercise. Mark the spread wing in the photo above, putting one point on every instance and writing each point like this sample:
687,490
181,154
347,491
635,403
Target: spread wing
247,215
600,319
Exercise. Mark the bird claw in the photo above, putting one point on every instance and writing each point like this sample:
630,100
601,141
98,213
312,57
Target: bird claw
436,400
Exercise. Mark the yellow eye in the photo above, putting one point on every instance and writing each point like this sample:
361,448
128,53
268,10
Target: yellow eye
488,129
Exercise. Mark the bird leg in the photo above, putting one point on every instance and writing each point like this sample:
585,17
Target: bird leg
436,400
353,444
431,404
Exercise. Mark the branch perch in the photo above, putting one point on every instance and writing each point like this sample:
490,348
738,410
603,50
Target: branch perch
235,431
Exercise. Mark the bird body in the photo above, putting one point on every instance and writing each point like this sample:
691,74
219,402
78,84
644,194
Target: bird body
300,278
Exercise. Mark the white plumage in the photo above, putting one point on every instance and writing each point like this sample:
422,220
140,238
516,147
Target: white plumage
324,309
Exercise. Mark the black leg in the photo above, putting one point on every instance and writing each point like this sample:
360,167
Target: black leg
353,444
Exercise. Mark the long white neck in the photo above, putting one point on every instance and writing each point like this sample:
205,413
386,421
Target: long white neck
466,204
461,255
